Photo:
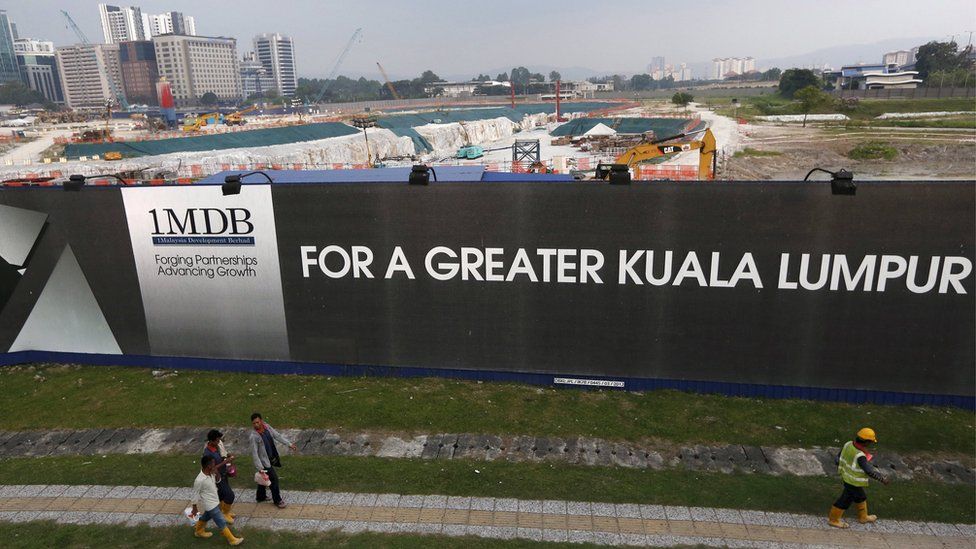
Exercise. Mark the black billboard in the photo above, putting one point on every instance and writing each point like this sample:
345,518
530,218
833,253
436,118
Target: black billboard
774,284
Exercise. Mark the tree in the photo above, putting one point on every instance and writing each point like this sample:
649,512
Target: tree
482,78
772,74
17,93
797,79
520,78
812,98
554,75
502,77
640,82
682,99
619,83
939,56
209,98
428,76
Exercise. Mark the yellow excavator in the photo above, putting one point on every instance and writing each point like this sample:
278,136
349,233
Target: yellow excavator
237,118
643,152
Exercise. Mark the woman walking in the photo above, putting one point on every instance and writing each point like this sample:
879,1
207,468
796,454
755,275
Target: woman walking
223,463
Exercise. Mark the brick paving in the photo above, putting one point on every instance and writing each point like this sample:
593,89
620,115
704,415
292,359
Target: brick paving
500,518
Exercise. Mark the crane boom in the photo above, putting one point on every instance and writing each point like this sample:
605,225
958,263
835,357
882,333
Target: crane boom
84,40
335,69
388,83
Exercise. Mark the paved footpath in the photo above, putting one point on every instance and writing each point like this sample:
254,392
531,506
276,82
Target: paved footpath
602,523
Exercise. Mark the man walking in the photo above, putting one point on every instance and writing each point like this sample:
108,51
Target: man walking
205,497
266,458
854,466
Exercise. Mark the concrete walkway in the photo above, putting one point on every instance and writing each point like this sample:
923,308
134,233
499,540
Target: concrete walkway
602,523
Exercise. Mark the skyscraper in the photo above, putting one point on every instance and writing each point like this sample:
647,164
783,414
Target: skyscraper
137,62
171,22
39,68
195,65
121,24
85,70
254,77
277,53
8,61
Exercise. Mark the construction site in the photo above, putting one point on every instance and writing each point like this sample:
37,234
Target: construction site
563,308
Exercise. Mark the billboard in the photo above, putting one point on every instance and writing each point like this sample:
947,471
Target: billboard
749,284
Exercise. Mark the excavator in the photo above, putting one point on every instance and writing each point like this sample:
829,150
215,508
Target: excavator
237,118
658,148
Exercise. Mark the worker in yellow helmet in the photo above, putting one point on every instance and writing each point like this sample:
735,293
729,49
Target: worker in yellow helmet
854,466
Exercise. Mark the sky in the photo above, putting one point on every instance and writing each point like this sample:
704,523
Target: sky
467,38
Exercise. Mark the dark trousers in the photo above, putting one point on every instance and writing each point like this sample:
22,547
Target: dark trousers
224,491
850,494
275,490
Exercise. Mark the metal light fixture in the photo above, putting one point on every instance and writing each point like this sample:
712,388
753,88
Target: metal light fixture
841,181
232,183
76,181
619,174
420,175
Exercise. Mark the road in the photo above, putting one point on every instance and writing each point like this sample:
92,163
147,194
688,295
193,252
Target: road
31,149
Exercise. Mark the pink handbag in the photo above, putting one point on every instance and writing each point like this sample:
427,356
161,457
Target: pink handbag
231,470
262,478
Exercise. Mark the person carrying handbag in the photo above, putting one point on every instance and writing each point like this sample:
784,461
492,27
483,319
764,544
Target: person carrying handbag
224,469
266,458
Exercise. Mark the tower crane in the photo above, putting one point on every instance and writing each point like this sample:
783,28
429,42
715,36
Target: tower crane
342,57
389,84
111,81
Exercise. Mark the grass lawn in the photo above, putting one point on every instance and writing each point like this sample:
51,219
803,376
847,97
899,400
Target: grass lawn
46,534
79,397
750,152
866,109
916,500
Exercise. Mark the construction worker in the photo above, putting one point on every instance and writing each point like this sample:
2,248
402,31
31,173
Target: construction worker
854,466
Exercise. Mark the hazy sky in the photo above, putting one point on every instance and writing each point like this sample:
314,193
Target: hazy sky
458,37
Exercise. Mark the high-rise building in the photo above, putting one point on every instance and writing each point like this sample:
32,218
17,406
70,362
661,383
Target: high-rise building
39,67
195,65
137,61
725,67
657,65
29,45
85,71
254,77
171,22
8,61
39,70
899,58
277,53
121,24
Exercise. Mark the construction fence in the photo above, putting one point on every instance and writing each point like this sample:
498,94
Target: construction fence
189,173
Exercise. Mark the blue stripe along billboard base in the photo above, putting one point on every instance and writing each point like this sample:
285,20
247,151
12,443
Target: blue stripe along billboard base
746,390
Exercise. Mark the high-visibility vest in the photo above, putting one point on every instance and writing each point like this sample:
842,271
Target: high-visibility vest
848,468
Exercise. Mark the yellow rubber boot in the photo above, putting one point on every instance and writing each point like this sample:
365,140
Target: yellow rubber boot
229,536
835,518
225,510
200,530
862,513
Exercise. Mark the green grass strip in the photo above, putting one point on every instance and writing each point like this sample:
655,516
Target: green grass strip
42,535
915,500
81,397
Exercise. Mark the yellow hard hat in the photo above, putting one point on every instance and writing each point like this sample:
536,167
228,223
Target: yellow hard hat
867,433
